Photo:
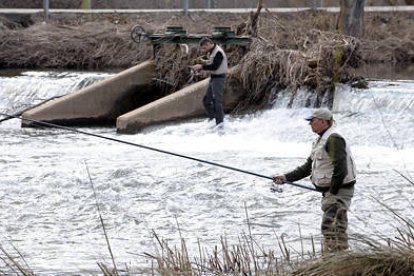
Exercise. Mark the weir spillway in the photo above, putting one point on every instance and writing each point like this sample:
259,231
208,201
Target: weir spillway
129,100
99,103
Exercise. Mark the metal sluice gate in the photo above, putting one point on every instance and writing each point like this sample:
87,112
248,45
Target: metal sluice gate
178,35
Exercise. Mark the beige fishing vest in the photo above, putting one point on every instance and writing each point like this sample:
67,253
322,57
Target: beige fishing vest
223,68
322,168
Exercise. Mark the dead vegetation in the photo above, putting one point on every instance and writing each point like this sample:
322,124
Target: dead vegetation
374,256
100,42
286,53
371,256
368,256
13,263
385,260
94,45
173,68
316,60
326,61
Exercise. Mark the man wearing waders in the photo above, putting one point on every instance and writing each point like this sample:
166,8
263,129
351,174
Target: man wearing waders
333,173
216,64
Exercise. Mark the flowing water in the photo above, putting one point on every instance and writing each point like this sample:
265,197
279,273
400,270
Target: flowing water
48,211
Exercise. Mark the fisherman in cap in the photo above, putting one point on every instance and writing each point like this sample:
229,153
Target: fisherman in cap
216,64
332,170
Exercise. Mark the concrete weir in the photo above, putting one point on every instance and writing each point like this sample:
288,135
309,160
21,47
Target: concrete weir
101,102
183,104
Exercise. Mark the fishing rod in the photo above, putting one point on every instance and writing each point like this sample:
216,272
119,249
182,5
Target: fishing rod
42,123
8,117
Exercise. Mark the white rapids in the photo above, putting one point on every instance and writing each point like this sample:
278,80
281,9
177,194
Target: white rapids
49,214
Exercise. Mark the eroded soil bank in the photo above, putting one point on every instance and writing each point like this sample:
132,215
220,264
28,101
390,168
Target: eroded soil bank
290,50
98,42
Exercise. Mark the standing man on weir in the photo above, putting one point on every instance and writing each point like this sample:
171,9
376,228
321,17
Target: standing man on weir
332,170
216,64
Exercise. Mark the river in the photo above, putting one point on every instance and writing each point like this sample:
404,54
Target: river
48,211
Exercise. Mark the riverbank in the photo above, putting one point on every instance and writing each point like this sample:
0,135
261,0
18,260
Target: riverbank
295,50
103,41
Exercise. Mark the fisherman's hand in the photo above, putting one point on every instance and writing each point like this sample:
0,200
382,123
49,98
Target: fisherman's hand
202,60
197,67
278,179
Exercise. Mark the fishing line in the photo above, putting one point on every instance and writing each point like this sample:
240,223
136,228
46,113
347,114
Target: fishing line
393,141
101,220
42,123
391,137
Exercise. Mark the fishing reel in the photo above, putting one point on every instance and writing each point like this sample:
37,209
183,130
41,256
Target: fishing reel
276,188
202,59
193,75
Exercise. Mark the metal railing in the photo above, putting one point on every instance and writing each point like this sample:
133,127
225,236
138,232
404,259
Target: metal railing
191,4
207,4
179,4
187,5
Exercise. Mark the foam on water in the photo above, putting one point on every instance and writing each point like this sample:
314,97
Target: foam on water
49,213
33,87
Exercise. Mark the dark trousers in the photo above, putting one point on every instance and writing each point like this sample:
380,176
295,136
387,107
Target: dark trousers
335,219
213,100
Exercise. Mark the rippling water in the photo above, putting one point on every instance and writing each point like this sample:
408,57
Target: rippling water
48,210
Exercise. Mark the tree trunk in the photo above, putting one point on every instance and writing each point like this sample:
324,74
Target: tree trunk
351,18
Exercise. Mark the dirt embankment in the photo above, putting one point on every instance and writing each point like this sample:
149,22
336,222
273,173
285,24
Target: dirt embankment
291,50
100,42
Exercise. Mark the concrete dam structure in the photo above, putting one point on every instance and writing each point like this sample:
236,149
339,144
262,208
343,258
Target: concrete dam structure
100,103
127,100
183,104
130,98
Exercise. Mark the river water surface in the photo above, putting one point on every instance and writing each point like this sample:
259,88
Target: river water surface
48,211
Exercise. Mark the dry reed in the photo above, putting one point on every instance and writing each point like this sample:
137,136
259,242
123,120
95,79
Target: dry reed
246,257
98,42
14,264
92,45
267,69
372,257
